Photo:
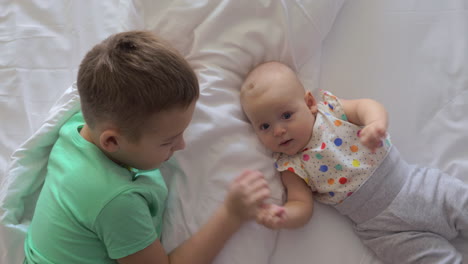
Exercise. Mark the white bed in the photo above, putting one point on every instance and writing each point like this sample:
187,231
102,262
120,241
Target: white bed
411,55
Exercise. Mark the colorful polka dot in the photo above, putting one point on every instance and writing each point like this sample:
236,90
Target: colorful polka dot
323,146
343,180
358,134
286,164
276,165
331,194
291,169
338,167
323,168
356,163
318,156
344,117
338,122
331,107
305,157
331,181
349,194
338,142
354,148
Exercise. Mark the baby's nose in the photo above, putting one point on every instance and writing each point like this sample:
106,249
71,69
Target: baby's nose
279,130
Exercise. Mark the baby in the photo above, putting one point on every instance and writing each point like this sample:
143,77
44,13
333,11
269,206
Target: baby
338,151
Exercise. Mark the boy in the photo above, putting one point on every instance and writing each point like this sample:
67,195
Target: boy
103,197
338,152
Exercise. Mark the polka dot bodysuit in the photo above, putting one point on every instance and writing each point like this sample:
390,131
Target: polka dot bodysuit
334,163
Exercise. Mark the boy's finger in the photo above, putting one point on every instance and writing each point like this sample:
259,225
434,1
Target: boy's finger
243,175
248,177
257,185
259,197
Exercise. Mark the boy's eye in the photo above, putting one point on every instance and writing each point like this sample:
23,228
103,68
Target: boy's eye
264,126
286,115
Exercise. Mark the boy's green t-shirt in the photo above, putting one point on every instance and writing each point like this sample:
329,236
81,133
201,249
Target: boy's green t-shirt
90,209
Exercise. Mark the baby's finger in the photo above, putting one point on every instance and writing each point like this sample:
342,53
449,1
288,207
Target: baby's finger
279,212
276,222
263,219
381,133
260,216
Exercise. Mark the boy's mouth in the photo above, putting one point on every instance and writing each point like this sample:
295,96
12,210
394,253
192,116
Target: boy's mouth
169,157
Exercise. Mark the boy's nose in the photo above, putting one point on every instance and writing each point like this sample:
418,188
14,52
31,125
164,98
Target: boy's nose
180,144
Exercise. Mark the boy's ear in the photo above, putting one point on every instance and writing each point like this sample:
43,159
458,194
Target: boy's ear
109,140
311,102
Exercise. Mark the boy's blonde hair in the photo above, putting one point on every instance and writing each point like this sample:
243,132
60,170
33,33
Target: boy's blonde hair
130,76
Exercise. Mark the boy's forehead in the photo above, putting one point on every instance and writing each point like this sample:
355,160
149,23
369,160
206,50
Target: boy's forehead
171,122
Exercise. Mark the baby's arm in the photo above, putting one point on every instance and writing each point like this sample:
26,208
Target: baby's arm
297,210
246,193
370,114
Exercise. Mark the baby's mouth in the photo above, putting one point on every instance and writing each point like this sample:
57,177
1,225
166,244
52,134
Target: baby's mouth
286,142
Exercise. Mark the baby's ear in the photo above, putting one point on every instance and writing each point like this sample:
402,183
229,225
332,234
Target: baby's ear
311,102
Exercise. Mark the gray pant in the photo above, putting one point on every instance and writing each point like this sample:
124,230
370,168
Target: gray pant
407,214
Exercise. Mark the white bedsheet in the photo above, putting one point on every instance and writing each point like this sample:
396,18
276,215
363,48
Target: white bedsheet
411,55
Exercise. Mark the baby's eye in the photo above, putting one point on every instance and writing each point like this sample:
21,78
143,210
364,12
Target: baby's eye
286,115
264,126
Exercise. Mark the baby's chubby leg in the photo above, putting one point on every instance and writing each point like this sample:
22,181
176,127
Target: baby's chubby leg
413,248
430,210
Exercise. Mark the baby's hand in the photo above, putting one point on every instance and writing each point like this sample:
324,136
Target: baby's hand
371,136
272,216
246,193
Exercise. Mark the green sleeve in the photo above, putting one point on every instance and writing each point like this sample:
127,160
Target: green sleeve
125,225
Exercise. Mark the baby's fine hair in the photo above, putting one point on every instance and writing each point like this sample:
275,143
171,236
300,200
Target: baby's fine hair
130,76
261,71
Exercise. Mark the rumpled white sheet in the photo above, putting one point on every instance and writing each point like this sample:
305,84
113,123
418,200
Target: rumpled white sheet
411,55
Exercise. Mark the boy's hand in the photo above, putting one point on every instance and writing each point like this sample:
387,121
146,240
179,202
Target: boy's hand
246,193
272,216
372,135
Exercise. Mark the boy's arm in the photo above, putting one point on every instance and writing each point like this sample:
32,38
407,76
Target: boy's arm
245,195
202,247
370,114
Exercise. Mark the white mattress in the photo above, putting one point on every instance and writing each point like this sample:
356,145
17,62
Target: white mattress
411,55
